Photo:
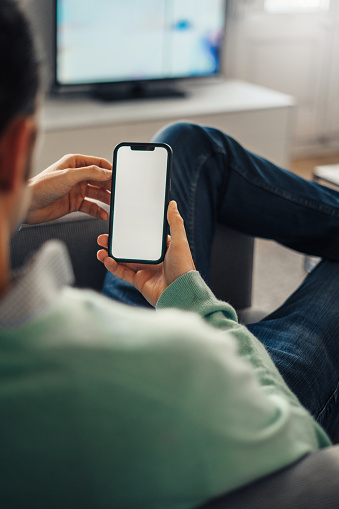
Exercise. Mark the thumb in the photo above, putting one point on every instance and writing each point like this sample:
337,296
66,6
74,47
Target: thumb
178,259
176,222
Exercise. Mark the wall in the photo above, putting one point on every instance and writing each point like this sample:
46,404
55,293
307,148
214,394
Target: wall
40,13
294,53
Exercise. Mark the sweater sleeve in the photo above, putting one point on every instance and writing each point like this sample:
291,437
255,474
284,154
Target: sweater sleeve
190,293
200,409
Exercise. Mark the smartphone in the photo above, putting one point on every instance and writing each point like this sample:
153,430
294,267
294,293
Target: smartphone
139,201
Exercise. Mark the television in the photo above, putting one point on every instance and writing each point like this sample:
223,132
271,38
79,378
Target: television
136,48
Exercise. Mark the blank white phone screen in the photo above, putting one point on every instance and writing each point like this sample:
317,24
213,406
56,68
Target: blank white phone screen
139,201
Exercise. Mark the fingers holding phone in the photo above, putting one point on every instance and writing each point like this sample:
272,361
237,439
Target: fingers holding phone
70,185
178,259
137,240
152,280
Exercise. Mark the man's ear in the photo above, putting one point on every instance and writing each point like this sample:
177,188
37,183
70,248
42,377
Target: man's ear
15,149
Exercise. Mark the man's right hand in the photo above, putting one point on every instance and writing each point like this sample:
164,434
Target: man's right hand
152,280
66,186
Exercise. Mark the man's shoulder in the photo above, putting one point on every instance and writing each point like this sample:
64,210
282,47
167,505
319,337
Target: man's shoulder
110,315
86,317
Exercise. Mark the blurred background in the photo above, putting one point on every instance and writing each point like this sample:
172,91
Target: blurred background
287,45
277,91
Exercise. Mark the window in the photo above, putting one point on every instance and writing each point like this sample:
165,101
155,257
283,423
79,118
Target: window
296,5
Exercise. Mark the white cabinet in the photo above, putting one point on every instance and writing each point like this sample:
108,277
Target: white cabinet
259,118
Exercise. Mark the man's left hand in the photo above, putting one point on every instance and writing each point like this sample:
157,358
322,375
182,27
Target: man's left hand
66,186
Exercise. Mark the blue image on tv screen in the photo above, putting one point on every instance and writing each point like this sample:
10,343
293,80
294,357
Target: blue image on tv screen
115,41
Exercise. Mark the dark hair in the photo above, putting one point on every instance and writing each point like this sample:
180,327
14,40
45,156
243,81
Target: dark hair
19,68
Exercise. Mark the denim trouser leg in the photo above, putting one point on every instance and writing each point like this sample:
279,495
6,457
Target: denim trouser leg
215,179
302,338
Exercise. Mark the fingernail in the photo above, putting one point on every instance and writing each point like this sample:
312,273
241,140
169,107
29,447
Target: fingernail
174,205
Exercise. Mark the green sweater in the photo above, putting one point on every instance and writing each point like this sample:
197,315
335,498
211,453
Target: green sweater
108,406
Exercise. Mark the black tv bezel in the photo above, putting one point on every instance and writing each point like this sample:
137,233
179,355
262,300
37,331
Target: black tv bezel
133,87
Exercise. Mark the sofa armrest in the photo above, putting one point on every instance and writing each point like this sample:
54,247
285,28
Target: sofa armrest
79,232
232,267
311,483
231,262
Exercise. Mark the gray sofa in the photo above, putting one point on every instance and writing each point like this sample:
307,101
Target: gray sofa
79,231
311,483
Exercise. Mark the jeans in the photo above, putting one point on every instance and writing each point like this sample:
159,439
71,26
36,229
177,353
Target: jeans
215,179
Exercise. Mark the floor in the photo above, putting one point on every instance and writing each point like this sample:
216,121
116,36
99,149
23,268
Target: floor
303,167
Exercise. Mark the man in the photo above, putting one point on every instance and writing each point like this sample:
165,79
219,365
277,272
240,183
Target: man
105,405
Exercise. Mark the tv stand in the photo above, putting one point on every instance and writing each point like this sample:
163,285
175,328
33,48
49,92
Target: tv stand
136,91
259,118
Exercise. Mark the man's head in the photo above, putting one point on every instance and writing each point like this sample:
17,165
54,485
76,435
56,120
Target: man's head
19,84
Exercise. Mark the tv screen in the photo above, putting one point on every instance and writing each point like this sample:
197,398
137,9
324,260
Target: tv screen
119,41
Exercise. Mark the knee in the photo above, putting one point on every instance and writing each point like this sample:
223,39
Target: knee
177,131
196,137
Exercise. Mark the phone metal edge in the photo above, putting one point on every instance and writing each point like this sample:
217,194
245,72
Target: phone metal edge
167,191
